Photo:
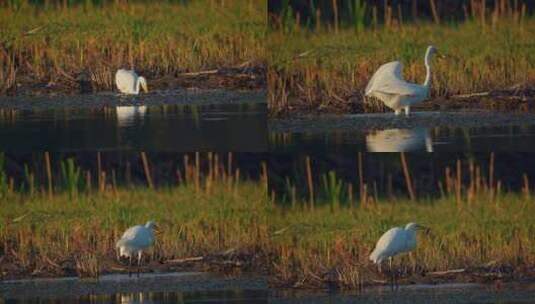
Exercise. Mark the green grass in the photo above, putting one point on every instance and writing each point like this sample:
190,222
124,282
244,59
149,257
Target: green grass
315,244
475,225
54,44
322,70
63,228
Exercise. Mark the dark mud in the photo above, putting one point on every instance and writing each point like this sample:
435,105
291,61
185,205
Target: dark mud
248,76
112,99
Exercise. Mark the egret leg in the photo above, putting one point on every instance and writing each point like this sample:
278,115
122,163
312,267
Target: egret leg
397,112
130,266
391,272
139,262
407,111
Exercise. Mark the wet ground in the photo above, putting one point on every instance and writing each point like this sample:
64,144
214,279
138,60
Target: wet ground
208,288
180,121
112,99
478,131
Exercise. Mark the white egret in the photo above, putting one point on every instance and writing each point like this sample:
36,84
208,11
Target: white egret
388,85
134,241
399,140
128,82
395,241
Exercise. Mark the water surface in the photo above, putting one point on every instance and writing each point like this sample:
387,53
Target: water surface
424,131
172,127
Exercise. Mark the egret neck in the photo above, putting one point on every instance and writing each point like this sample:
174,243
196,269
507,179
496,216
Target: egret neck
427,81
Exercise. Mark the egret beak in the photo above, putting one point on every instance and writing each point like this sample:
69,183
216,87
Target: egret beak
440,55
424,228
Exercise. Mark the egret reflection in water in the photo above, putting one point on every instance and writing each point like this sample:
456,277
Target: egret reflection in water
399,140
126,115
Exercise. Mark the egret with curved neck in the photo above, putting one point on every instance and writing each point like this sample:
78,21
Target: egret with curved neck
128,82
389,86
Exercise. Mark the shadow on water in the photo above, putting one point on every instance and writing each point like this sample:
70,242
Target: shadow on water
173,128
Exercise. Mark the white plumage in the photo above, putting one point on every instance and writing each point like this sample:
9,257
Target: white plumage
399,140
388,85
128,82
395,241
135,240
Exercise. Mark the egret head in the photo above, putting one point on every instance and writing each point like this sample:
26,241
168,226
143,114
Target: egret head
432,51
143,84
415,227
150,225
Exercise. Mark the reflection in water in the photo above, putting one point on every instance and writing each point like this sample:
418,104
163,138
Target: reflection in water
171,128
126,115
399,140
223,296
435,139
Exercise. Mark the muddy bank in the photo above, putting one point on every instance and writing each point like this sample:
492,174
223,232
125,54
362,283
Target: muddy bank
248,76
519,98
153,98
380,121
122,283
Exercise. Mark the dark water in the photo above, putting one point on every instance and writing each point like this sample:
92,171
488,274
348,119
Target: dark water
181,128
424,131
440,139
206,297
416,294
453,293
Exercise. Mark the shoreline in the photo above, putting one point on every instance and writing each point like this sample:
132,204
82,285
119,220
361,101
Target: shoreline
153,98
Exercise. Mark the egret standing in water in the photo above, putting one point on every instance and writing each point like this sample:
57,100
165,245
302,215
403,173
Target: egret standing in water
134,241
395,241
388,85
128,82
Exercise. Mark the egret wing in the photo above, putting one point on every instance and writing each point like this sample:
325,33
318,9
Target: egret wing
386,72
138,236
398,87
125,80
390,243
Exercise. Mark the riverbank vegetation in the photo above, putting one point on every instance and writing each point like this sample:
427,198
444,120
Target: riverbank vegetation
55,45
215,220
319,66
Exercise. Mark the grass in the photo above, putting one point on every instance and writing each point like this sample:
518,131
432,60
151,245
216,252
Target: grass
322,240
326,71
157,39
66,234
325,246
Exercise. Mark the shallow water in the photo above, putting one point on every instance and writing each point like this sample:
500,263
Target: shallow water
416,294
171,127
206,297
425,131
198,287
